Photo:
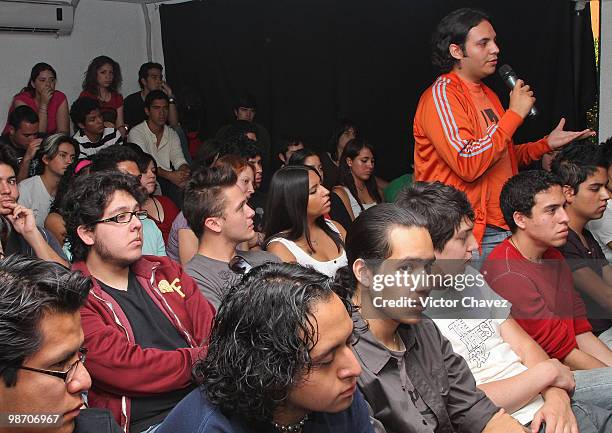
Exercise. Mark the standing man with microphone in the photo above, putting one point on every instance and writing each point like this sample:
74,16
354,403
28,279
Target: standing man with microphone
463,135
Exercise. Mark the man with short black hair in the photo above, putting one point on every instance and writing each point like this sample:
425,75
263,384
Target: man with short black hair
164,145
23,139
245,109
463,135
42,371
19,233
145,318
532,274
91,133
217,212
584,175
288,146
150,77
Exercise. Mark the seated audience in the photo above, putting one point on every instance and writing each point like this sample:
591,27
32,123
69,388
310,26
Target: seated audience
56,153
163,143
358,189
40,95
312,159
279,359
182,243
217,211
102,82
22,138
288,146
150,77
42,356
601,229
507,364
125,160
528,270
411,379
145,321
19,233
161,209
245,109
344,131
91,133
584,176
296,229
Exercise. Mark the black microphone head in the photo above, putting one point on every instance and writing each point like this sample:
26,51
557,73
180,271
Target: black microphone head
505,71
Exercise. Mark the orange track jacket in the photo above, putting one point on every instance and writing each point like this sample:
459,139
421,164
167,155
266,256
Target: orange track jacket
451,147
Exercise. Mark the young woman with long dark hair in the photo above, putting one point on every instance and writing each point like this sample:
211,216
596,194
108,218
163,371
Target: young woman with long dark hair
40,95
357,188
296,229
102,82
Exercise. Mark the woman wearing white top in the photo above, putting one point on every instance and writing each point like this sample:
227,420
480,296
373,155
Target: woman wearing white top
296,228
358,189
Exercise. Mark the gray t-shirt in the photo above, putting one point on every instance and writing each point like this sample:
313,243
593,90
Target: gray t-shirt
214,277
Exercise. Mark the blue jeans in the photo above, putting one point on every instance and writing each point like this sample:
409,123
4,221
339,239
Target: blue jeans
492,237
594,387
592,419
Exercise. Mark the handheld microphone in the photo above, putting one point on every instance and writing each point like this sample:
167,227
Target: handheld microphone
509,76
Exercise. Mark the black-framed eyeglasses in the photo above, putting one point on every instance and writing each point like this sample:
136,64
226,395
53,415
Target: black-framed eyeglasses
67,375
240,265
124,217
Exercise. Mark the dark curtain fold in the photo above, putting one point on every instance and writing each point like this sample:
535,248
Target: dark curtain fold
311,62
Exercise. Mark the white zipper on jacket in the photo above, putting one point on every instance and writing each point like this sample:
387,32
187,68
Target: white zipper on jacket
118,322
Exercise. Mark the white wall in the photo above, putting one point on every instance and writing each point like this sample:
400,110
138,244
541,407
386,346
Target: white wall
605,95
100,27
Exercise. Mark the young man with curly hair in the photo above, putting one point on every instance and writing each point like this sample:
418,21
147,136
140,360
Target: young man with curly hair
279,359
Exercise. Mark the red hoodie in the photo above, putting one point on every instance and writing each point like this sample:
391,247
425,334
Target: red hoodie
120,369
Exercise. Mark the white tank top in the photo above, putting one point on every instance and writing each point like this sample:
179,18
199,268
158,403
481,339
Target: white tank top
355,206
328,268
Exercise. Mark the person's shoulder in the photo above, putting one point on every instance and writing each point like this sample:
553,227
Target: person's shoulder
28,183
353,419
195,413
257,258
95,420
59,96
132,97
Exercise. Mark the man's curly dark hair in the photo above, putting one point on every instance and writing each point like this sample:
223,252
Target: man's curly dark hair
261,338
86,200
453,29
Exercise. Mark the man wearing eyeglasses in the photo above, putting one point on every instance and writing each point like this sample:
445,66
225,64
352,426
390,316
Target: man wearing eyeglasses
42,373
145,321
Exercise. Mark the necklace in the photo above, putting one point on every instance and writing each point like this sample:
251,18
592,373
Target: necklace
297,427
521,253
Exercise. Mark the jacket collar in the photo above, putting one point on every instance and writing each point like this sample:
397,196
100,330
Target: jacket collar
143,268
372,352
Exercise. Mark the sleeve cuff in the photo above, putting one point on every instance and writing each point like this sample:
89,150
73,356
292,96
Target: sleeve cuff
510,122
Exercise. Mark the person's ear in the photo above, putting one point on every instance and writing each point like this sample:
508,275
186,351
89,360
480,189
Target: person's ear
362,273
81,126
456,51
569,193
213,224
349,162
281,156
520,219
86,234
147,111
45,159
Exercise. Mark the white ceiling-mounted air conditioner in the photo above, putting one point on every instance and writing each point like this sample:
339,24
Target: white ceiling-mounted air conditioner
36,17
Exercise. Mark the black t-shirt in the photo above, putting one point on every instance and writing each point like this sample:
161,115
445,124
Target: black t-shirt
578,256
151,328
134,110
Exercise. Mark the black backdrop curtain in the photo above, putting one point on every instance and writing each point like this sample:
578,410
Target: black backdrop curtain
309,62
